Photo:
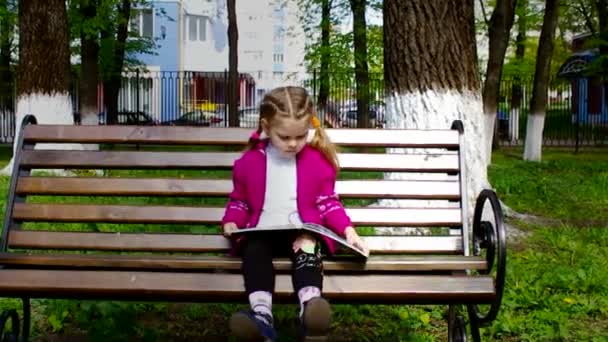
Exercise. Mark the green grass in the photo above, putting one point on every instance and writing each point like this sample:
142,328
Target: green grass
571,188
557,286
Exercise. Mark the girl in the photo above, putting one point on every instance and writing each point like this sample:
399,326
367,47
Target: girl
283,179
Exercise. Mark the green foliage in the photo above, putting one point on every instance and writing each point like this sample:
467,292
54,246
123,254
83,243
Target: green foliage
106,20
341,47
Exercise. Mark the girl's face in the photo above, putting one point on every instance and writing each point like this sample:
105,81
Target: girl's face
288,135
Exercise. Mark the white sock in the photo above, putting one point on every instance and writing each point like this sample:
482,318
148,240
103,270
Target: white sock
261,302
307,293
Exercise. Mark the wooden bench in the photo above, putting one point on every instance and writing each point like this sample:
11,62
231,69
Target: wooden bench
154,234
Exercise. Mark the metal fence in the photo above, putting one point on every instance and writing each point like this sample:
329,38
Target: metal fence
577,112
577,109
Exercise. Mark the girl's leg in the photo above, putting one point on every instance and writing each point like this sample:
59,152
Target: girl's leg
315,312
258,273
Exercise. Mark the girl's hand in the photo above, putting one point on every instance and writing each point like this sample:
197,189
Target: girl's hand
354,239
229,228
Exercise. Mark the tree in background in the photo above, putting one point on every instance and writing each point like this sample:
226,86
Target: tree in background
499,28
233,73
43,75
8,19
431,75
89,55
361,64
538,104
113,47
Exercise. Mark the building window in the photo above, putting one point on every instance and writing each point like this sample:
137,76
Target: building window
142,24
278,58
197,27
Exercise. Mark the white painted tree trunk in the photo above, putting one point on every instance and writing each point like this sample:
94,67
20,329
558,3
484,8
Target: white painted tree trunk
489,120
437,110
534,136
88,116
48,109
514,125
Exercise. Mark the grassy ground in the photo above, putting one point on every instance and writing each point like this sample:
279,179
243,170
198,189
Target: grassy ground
557,287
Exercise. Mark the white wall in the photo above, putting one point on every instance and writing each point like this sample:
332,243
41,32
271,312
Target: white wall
256,40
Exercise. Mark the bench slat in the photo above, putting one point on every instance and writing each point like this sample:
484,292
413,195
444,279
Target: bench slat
174,263
212,215
390,289
229,136
224,160
166,242
103,186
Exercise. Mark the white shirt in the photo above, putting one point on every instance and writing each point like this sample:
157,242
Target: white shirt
280,200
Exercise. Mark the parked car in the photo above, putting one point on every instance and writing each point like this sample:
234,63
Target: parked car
130,118
197,118
349,115
249,116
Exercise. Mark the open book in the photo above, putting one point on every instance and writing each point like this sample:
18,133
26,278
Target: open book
312,227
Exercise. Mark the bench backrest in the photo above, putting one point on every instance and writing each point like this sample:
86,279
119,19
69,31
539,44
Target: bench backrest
158,188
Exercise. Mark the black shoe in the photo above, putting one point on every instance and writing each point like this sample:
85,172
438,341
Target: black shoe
315,321
252,326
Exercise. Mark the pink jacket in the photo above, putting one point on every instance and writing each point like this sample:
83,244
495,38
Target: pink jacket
317,201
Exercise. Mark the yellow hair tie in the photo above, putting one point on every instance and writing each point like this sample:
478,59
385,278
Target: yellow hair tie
315,122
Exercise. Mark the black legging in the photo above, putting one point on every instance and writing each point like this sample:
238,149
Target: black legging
258,271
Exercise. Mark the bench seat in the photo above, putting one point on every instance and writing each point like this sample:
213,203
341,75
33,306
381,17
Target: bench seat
137,217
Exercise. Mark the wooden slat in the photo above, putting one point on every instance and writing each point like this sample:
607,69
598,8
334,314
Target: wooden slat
205,160
166,242
229,136
160,262
131,285
104,186
201,215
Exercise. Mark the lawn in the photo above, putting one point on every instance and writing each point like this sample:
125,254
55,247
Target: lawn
557,287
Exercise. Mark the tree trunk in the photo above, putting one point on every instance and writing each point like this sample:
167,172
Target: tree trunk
499,31
89,74
325,55
431,75
6,74
361,67
516,90
538,104
602,10
43,75
111,85
233,74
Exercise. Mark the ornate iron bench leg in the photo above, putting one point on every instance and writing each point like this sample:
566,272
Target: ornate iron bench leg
25,336
13,335
457,328
490,237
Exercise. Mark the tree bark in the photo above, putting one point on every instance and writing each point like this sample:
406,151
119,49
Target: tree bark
43,74
233,74
361,67
89,73
602,10
431,76
325,54
538,104
499,32
111,85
